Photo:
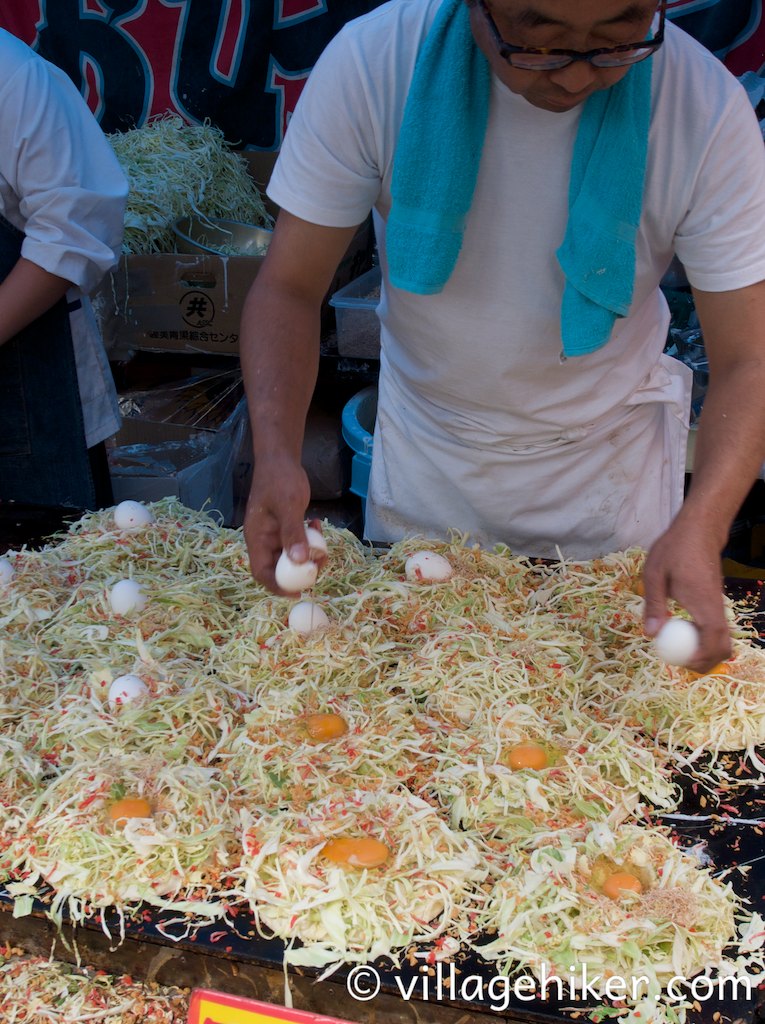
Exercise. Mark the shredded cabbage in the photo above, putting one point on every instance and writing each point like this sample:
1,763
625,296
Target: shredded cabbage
175,170
435,682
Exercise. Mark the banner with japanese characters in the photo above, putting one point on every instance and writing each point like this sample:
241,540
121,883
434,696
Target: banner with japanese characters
239,63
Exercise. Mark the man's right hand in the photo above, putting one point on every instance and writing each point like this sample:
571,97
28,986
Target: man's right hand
279,351
275,517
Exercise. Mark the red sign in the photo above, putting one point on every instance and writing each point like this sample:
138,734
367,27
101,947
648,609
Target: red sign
208,1007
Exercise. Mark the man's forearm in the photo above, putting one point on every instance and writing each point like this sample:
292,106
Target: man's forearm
25,294
280,358
730,447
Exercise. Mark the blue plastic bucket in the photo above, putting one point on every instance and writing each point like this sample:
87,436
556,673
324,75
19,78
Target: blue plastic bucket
358,424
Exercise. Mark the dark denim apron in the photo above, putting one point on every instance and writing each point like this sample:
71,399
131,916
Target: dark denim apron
43,456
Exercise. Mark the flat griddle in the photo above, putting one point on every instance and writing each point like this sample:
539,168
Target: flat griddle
729,825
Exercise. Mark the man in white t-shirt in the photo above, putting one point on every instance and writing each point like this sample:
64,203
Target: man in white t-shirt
483,424
63,191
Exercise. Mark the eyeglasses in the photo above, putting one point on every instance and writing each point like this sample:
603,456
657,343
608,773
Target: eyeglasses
530,58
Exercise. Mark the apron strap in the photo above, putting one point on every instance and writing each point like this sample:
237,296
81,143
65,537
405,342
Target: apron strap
43,456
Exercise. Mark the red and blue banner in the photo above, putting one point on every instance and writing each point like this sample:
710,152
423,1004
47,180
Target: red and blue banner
240,63
731,29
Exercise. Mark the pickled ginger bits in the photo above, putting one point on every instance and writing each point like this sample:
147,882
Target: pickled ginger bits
358,875
625,902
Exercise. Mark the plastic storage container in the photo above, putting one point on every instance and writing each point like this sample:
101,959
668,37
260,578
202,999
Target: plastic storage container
358,422
355,305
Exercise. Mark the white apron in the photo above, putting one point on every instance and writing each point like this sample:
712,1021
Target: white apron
100,408
588,491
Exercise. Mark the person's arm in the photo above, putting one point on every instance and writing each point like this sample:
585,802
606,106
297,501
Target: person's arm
684,563
26,293
280,357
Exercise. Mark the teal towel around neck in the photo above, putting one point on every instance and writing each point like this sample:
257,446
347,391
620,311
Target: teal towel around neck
435,170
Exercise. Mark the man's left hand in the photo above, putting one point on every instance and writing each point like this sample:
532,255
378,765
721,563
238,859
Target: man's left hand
684,565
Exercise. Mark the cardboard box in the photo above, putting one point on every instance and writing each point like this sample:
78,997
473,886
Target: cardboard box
171,302
152,459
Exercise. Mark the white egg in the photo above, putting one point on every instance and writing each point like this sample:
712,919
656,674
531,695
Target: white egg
132,515
677,641
306,617
292,577
7,572
127,596
427,566
127,688
317,543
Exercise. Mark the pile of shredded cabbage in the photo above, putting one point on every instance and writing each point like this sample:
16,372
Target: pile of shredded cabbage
34,990
549,913
435,682
175,170
596,771
424,892
273,756
173,859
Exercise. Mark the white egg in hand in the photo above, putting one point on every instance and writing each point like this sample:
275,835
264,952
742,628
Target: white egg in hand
132,515
317,543
7,572
306,617
292,577
127,688
127,596
677,642
428,567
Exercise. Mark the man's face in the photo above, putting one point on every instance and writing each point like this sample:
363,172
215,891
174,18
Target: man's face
564,24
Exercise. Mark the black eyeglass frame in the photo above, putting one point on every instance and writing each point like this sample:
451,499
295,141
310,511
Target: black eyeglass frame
508,50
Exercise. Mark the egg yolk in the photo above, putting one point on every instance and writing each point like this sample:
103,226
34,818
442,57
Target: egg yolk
356,853
325,727
527,755
722,669
621,882
130,807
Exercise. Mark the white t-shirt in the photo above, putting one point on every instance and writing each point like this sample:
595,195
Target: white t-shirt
481,426
61,184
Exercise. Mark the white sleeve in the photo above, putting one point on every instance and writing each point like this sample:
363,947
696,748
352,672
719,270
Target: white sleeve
721,239
70,186
328,168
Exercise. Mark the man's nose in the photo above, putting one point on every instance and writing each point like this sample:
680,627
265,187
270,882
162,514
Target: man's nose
575,77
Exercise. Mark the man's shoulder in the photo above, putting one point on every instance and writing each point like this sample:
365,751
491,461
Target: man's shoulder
15,55
399,22
682,56
693,90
